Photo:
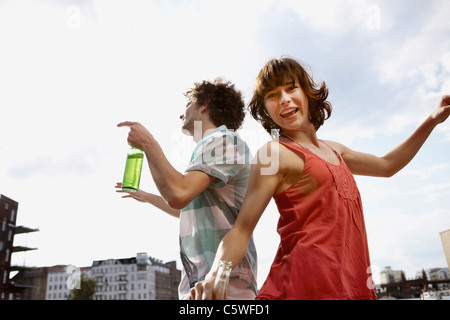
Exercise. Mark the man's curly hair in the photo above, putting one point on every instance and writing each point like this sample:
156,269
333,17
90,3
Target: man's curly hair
224,102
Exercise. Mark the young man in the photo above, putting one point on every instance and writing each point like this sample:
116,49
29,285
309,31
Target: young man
208,196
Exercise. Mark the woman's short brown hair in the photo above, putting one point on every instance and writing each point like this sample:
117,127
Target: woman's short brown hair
274,74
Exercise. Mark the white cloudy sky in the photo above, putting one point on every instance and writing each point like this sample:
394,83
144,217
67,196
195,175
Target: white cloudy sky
71,70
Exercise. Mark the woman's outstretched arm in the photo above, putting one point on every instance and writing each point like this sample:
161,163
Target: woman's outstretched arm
396,159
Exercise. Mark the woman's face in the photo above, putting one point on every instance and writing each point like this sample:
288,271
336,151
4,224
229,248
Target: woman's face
287,105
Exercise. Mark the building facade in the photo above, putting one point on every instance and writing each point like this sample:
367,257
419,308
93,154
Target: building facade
137,278
62,279
389,276
435,274
9,290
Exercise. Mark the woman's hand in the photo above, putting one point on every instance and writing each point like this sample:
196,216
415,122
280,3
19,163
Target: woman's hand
442,110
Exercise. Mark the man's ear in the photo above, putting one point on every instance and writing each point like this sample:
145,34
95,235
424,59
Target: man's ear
204,107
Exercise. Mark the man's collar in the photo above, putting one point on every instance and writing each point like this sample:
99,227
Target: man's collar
221,128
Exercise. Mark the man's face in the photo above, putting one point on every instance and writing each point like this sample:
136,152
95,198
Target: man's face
191,114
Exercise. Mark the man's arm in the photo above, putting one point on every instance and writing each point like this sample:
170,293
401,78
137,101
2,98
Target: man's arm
396,159
177,189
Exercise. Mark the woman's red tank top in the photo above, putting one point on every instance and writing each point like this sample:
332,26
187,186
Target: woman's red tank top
323,252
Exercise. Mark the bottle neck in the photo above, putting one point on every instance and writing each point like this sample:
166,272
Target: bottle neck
222,279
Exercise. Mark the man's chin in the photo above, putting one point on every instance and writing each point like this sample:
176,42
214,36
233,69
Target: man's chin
187,132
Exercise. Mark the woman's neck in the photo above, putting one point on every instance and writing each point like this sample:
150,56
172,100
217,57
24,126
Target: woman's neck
302,137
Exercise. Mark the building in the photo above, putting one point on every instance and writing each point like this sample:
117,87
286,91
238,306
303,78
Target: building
33,278
445,238
389,276
9,290
62,279
435,274
136,278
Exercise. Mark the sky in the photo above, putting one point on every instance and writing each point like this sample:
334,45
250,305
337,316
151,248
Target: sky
71,70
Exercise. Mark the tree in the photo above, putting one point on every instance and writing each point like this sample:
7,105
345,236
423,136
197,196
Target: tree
86,291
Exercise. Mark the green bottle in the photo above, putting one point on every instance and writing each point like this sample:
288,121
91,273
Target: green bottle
133,168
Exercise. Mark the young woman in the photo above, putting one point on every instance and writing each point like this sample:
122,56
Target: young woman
323,253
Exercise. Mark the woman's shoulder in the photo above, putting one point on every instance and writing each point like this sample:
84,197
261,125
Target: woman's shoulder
277,155
338,147
273,149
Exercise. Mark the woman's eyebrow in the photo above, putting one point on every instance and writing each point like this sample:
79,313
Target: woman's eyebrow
289,83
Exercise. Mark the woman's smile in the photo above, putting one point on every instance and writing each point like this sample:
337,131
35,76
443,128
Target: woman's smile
289,112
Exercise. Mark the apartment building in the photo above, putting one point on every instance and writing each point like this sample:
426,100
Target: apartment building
389,276
62,279
9,290
136,278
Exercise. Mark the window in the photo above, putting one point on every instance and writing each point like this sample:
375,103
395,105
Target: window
13,215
